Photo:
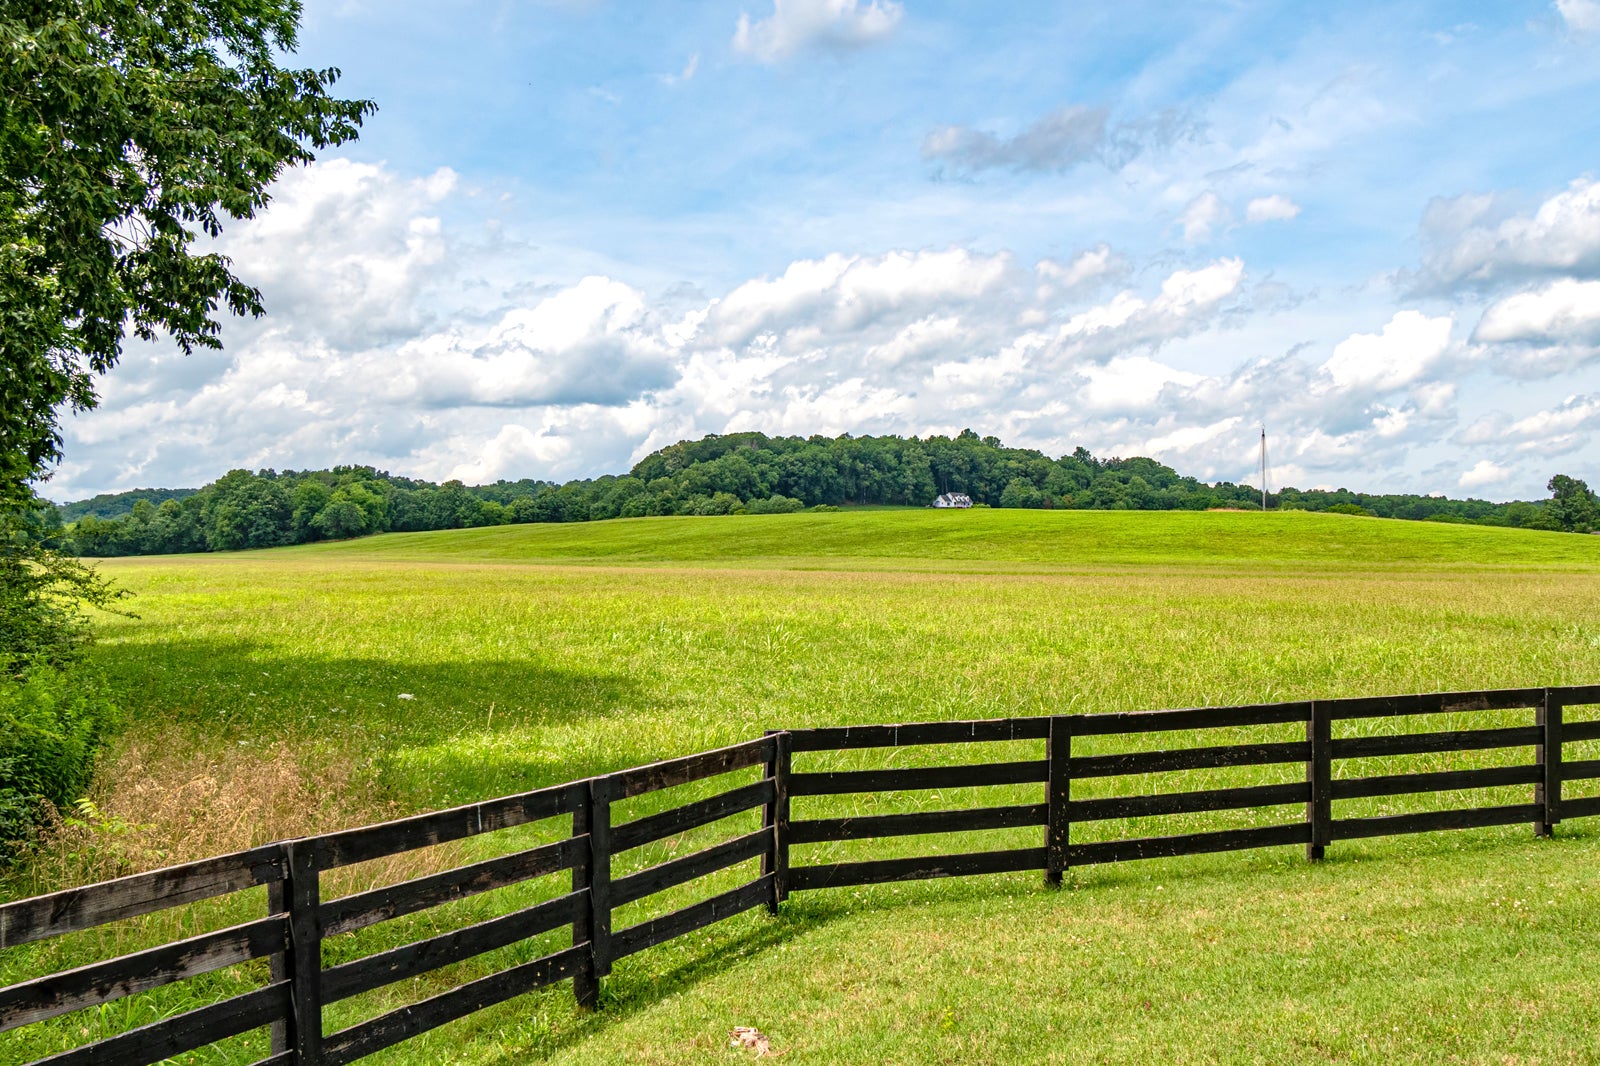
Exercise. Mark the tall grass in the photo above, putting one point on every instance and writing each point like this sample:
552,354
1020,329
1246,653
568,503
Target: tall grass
278,693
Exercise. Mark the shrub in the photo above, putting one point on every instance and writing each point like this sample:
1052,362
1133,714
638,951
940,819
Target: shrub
52,722
1351,509
774,505
53,713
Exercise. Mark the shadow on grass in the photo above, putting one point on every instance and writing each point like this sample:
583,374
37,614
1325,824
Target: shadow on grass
434,734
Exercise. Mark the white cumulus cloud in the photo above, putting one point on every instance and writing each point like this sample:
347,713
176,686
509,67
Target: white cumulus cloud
1470,247
1409,345
1484,472
796,25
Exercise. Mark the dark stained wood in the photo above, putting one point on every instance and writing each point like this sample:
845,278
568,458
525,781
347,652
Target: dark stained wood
918,777
860,827
304,1016
424,830
849,737
77,909
358,1041
884,871
1583,807
278,967
1057,798
1319,778
358,911
1577,695
1547,754
648,934
1094,725
409,960
281,1058
183,1032
1187,844
1432,821
1156,762
1580,769
654,827
1520,736
600,851
1434,781
585,982
775,820
656,776
1434,703
686,868
1572,732
102,982
1216,799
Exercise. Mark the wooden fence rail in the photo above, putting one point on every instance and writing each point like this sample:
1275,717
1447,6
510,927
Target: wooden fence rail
300,985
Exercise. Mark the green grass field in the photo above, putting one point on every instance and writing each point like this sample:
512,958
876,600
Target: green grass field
277,693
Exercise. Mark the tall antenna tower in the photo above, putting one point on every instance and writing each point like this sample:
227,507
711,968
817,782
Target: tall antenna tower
1263,468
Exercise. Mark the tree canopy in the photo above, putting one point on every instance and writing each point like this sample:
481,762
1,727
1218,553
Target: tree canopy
738,473
129,131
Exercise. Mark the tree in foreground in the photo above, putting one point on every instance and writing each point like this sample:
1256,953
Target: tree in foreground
130,130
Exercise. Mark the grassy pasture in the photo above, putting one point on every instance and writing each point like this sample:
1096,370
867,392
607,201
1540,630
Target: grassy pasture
264,693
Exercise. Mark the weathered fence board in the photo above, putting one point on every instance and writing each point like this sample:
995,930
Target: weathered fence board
349,913
629,783
885,871
686,868
1217,799
358,1041
183,1032
656,931
77,909
914,778
1210,758
126,975
848,737
409,960
864,826
1187,844
298,919
1522,736
1432,821
1435,781
425,830
654,827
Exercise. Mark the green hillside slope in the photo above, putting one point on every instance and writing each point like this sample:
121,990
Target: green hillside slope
1047,539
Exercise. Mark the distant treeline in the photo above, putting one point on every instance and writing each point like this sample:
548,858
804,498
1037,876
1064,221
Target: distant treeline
740,473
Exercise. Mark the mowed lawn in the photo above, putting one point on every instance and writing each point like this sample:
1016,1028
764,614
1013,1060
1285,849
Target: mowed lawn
298,690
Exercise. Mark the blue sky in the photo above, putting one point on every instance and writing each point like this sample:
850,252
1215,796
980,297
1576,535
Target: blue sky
577,231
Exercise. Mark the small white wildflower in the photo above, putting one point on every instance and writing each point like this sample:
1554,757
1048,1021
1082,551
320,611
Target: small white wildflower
405,696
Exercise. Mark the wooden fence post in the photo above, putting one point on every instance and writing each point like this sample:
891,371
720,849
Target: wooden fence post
1058,794
585,985
775,818
1547,791
304,965
1319,775
279,964
599,824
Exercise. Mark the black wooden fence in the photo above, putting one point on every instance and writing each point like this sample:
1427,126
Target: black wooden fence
290,936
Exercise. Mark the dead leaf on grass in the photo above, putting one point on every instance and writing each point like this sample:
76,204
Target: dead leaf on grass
748,1036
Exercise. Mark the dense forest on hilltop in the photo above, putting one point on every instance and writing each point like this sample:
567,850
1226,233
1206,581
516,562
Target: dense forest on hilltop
739,473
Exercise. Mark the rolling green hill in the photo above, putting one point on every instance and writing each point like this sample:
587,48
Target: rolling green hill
919,539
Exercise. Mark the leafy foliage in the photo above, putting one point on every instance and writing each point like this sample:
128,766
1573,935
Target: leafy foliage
53,712
741,473
129,129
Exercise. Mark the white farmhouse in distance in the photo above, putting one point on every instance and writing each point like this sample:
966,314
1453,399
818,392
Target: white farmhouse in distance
953,499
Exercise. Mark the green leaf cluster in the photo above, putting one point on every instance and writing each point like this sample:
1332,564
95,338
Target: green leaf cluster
130,130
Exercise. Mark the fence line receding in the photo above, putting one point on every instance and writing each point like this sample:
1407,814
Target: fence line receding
582,892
